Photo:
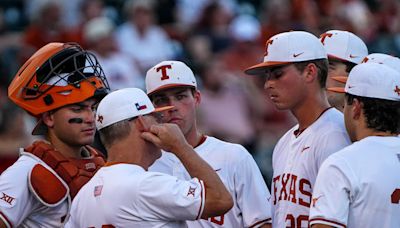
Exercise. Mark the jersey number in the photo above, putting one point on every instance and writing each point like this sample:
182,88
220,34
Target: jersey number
219,220
396,196
297,223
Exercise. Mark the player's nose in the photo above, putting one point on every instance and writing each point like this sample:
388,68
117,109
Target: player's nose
268,84
89,116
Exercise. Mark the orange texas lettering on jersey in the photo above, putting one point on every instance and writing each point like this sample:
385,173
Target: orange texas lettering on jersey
292,189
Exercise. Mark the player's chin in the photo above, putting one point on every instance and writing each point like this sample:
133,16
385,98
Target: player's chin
281,106
86,140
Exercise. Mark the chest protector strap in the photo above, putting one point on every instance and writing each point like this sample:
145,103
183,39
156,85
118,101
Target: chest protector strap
73,172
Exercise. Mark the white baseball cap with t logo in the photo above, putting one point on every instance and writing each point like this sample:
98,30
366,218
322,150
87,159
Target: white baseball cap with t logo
168,74
124,104
388,60
344,45
373,80
289,47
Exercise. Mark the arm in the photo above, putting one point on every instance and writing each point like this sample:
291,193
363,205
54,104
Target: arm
170,138
2,224
266,226
15,206
333,190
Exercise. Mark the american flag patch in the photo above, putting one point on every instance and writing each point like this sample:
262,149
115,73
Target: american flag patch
97,190
140,107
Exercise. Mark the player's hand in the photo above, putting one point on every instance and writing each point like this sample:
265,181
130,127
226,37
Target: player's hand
166,136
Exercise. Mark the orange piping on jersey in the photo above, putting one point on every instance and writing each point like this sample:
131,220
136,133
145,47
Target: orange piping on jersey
202,139
5,220
298,132
114,163
261,222
327,220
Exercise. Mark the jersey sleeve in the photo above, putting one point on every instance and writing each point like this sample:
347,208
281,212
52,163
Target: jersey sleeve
332,193
169,198
330,143
16,202
253,196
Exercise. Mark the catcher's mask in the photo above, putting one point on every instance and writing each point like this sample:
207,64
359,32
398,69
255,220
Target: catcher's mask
58,74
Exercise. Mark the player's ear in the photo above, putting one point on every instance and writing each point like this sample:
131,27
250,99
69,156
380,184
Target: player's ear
311,72
197,96
143,123
48,119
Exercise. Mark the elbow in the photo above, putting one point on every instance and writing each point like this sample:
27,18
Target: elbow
228,203
225,203
217,207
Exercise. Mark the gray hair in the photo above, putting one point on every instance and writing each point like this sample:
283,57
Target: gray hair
117,131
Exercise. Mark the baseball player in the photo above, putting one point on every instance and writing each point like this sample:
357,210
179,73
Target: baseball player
60,85
359,186
295,66
388,60
173,83
123,193
345,50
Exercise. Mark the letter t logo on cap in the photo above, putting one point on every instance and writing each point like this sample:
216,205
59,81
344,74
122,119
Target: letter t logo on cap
163,69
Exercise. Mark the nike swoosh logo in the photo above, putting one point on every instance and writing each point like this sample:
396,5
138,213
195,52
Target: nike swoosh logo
217,170
296,55
351,87
305,148
353,56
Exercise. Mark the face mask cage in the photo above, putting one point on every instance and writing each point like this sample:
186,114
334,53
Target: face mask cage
71,66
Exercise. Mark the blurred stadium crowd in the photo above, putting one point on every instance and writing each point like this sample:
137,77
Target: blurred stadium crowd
217,39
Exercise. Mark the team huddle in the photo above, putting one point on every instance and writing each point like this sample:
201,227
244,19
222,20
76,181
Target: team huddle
339,166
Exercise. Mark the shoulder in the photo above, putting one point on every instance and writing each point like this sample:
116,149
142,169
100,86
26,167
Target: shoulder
288,135
44,183
332,119
331,127
231,151
17,174
340,159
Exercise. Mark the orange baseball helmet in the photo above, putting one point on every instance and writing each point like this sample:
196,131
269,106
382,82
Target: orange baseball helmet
58,74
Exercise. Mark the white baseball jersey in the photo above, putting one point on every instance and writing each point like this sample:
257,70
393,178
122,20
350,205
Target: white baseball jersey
240,175
296,161
18,205
125,195
360,186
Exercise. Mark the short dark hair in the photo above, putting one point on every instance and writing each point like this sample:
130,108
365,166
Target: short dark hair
116,131
349,65
322,66
381,115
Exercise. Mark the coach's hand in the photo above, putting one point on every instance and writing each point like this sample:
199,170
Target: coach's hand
167,137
